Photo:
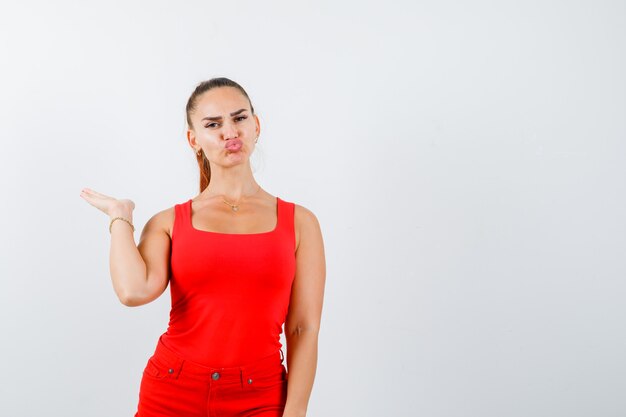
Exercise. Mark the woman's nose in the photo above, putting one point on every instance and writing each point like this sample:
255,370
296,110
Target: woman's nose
229,131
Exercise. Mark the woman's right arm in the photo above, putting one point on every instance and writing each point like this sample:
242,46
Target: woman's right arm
140,273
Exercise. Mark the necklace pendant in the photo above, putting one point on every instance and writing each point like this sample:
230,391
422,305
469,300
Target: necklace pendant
235,208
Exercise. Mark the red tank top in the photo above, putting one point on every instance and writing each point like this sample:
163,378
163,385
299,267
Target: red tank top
230,292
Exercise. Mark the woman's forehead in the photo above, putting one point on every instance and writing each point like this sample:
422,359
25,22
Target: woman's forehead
221,102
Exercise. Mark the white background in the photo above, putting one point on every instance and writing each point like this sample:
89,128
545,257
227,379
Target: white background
465,161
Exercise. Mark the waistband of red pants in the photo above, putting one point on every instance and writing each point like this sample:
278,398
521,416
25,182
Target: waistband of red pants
176,363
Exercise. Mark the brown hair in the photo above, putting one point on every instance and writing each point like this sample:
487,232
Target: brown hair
203,87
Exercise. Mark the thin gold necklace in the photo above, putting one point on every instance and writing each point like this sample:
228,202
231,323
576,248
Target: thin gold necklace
235,207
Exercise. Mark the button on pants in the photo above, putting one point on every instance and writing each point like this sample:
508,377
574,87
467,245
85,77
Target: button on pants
172,386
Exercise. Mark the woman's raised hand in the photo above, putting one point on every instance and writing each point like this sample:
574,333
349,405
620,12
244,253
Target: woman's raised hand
108,205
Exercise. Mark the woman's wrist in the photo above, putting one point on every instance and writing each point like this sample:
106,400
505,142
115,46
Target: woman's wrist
120,219
121,211
123,214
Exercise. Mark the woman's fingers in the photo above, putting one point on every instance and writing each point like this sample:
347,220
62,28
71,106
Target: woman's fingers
97,194
102,202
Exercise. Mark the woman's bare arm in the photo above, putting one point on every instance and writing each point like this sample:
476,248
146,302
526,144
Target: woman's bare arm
302,324
140,273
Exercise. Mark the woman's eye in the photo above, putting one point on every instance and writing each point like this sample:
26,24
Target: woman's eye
240,117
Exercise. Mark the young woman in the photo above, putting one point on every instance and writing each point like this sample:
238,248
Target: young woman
240,264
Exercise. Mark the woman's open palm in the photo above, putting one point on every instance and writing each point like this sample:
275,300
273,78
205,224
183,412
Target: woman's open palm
107,204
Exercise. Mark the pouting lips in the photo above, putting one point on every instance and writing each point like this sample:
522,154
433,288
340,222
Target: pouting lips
233,145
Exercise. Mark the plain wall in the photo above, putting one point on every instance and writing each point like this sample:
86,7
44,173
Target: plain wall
465,161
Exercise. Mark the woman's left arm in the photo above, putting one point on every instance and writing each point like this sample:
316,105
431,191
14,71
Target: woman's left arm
305,311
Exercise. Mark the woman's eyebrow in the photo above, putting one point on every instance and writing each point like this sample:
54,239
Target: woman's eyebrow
220,117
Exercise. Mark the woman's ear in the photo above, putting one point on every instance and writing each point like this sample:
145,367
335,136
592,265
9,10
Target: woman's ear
258,125
191,138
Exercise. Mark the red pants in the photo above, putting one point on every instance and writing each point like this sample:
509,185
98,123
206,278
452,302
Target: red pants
175,387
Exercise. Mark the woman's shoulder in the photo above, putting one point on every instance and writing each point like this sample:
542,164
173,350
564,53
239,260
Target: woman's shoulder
300,212
303,216
164,219
305,222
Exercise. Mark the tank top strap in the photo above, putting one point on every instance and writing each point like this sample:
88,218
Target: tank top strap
286,222
181,217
